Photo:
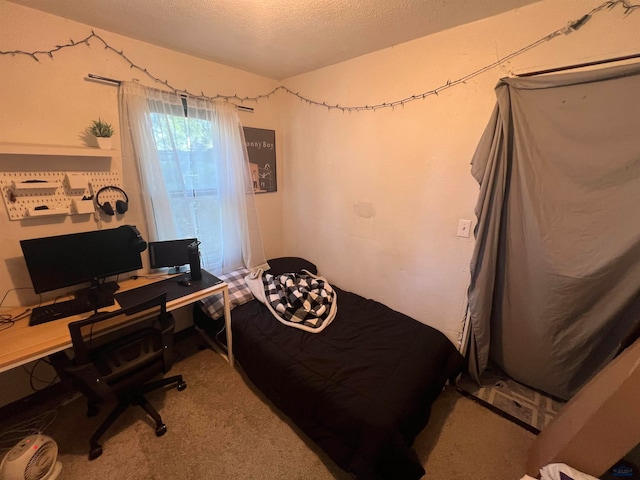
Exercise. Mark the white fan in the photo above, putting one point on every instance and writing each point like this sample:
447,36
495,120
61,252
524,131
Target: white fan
34,458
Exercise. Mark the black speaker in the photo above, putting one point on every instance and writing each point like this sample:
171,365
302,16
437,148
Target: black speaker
194,260
121,205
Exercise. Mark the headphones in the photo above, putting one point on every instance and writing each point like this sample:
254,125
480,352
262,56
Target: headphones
121,205
138,243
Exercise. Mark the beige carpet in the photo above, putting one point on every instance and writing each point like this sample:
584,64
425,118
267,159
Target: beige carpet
220,427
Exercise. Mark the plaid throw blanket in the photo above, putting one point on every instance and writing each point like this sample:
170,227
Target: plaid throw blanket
303,301
239,294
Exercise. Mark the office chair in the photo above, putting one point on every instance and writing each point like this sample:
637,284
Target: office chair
113,358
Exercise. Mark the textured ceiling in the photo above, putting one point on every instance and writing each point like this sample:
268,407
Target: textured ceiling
275,38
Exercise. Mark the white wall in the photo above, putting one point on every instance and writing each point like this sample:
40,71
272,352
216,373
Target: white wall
410,167
51,102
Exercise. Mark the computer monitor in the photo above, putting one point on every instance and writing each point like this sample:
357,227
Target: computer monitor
170,253
66,260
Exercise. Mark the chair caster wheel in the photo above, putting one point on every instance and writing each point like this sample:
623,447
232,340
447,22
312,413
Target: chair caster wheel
182,386
95,452
161,430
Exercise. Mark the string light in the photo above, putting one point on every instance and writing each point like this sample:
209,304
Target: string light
569,28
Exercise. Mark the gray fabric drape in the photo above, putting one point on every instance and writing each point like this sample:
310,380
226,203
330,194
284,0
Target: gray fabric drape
555,273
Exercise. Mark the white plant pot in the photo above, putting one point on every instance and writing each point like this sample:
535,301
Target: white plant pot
104,143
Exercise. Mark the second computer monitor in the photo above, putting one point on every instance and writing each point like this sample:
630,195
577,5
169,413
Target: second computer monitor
170,253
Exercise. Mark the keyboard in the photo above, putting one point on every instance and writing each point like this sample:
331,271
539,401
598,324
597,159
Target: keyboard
58,310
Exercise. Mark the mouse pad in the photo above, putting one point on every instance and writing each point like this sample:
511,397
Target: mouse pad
169,286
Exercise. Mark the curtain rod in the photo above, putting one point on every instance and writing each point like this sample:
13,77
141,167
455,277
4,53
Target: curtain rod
100,78
579,65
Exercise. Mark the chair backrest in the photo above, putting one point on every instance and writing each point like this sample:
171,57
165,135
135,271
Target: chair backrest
111,346
91,332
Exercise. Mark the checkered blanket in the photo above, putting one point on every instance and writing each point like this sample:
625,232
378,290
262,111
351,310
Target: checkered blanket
303,301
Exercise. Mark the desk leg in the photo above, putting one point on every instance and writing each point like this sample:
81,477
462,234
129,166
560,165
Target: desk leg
227,323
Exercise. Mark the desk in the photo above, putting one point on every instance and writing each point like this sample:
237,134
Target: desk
21,343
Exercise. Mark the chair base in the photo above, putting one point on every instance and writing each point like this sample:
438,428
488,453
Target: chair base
132,398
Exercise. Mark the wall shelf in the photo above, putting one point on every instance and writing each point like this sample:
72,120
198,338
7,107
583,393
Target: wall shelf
32,212
54,194
53,150
33,185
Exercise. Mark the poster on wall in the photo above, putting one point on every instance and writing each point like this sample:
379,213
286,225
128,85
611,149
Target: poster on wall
261,147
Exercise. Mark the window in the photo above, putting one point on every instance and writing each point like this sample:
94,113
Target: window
189,169
194,174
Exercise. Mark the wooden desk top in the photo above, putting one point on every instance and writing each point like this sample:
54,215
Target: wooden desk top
21,343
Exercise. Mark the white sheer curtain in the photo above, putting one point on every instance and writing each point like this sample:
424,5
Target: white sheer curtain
194,174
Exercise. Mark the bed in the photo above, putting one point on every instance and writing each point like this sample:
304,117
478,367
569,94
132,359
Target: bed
362,389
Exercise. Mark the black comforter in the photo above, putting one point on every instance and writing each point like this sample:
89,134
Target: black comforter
362,389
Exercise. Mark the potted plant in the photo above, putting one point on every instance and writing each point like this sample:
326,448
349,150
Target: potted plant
103,132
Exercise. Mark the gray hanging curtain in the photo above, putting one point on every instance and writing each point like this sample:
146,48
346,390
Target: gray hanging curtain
555,273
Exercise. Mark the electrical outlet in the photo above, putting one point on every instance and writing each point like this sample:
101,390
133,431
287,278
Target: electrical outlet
464,228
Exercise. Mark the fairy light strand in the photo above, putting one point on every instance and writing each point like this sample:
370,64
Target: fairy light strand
568,29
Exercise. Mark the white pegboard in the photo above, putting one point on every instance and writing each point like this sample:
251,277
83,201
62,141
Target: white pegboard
26,193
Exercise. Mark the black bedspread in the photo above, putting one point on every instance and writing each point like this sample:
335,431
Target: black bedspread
362,389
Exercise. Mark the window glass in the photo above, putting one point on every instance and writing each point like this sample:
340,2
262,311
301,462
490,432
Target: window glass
190,172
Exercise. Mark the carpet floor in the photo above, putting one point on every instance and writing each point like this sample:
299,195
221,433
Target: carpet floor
221,427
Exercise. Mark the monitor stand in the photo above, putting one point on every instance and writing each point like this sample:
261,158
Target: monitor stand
99,295
176,269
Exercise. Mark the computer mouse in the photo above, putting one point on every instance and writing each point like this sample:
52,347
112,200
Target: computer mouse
184,282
